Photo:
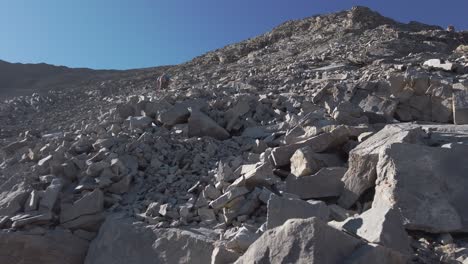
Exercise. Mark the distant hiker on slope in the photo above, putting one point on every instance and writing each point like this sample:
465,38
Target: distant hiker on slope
163,82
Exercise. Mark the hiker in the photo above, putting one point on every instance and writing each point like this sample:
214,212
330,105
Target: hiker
163,82
450,28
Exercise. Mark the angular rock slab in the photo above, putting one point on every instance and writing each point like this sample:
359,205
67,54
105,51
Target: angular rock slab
55,247
325,183
460,104
281,209
382,224
361,174
200,125
301,241
427,184
120,241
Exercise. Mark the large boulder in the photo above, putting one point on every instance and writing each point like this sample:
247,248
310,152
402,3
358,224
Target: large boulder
54,247
427,184
121,241
281,209
382,224
325,183
313,241
361,174
338,136
200,125
306,162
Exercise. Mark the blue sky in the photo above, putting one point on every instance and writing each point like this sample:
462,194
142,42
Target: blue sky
124,34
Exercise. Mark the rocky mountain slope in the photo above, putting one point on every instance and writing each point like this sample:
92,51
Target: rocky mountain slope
339,138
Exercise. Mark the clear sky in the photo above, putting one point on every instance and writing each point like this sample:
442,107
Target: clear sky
124,34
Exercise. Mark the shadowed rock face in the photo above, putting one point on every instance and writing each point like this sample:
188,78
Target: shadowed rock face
224,162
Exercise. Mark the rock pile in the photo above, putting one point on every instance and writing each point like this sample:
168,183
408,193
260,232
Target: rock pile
308,144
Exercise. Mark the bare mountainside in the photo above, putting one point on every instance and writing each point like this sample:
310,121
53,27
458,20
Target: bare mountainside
339,138
18,79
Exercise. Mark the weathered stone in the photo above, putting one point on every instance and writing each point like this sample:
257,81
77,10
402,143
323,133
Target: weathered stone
12,201
382,225
178,114
311,240
121,242
86,222
460,104
242,240
427,184
200,125
281,155
325,183
121,186
281,209
206,214
55,247
361,174
221,255
347,113
50,195
228,196
306,162
90,203
33,219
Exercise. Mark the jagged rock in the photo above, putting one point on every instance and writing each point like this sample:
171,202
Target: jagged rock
431,186
242,240
200,125
361,174
86,222
50,195
121,241
178,114
280,209
311,240
228,196
38,218
306,162
325,183
221,255
55,247
460,106
12,201
90,203
348,114
383,225
281,155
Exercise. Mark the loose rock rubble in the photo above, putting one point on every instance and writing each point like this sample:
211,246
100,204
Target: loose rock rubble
337,138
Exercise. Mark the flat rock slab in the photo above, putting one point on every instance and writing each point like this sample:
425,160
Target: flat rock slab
281,209
120,241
